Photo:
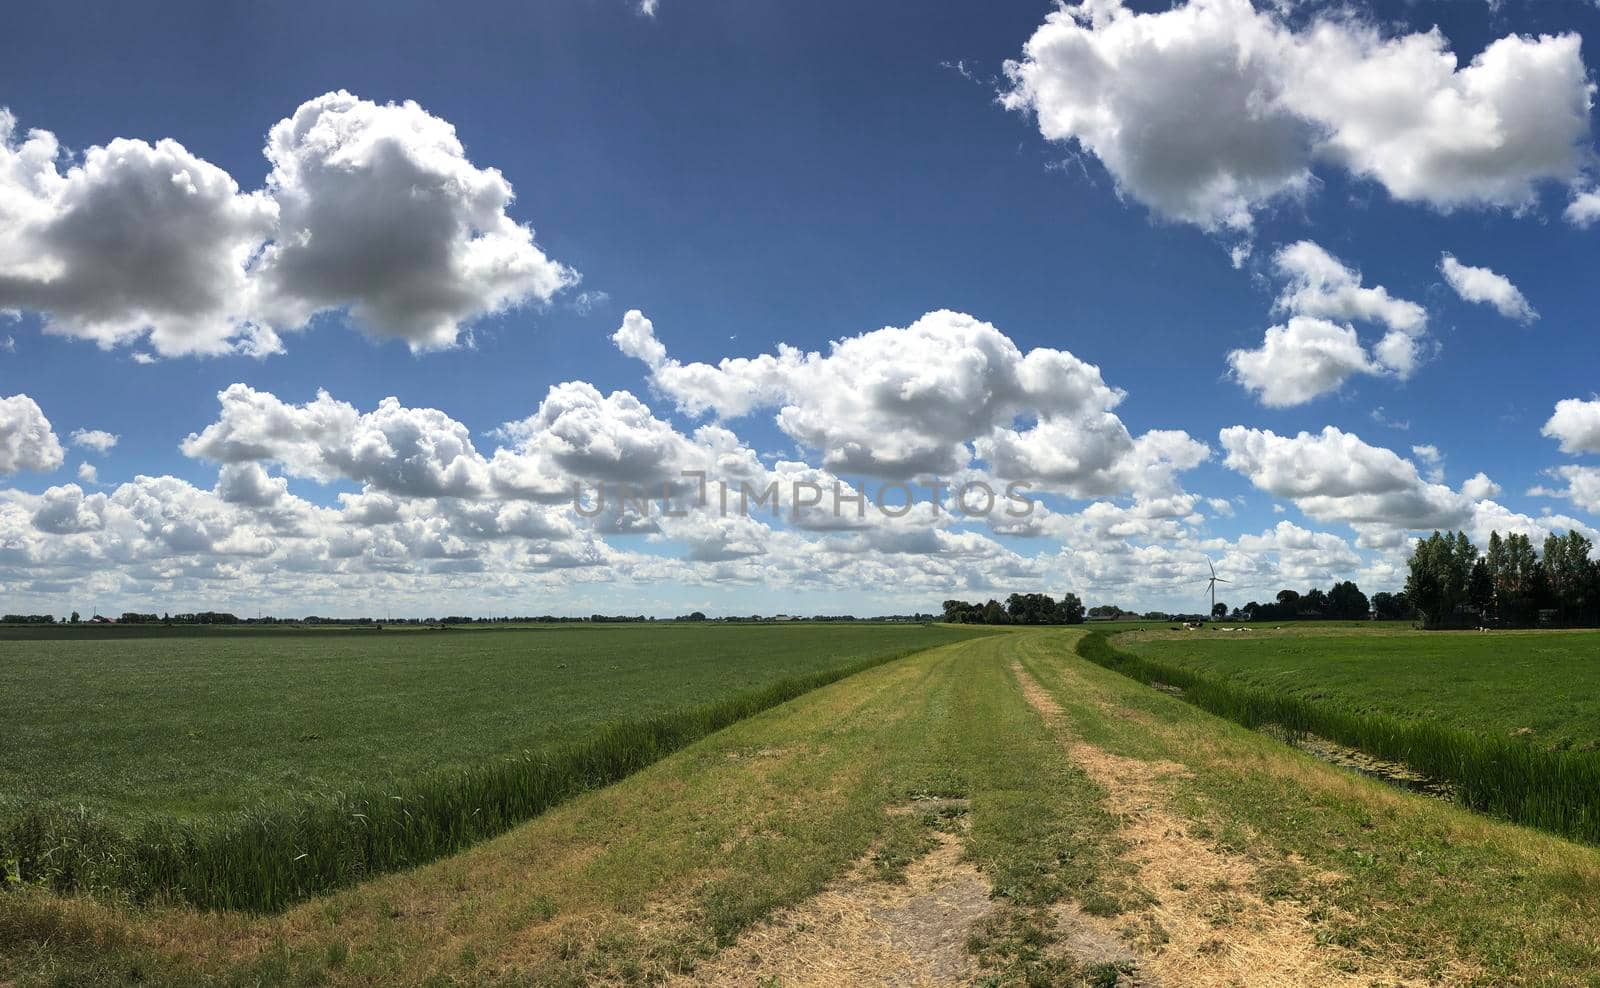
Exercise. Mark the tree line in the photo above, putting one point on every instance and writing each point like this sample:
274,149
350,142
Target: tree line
1511,584
1344,601
1019,608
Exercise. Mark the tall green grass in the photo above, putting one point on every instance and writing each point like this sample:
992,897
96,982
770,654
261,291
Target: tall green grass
1558,791
273,856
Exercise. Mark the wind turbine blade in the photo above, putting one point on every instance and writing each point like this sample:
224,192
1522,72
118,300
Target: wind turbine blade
1213,568
1221,580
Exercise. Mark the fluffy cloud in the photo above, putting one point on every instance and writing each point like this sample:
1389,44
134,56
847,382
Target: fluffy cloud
96,439
1183,107
1432,459
1210,110
248,484
1317,350
371,209
1334,476
412,452
580,437
906,402
1484,285
382,213
1580,485
135,238
26,439
1575,424
1479,487
65,511
1584,208
1318,284
1300,360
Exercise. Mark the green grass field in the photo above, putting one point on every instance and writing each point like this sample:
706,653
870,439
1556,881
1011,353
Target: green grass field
1006,812
1495,683
196,725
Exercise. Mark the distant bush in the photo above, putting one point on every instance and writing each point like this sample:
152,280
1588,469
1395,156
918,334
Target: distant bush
1558,791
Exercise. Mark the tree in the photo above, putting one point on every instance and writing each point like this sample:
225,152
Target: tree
1346,602
1070,610
1219,610
958,612
1568,571
1390,606
1019,608
1289,600
1497,562
74,619
1437,581
1480,591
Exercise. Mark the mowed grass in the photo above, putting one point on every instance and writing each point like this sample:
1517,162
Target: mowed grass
152,725
1495,683
1553,786
646,880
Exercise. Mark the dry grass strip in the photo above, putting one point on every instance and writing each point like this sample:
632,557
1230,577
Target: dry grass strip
859,931
1217,930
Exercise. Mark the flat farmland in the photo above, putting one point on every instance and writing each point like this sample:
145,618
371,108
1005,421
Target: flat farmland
144,724
1496,683
995,811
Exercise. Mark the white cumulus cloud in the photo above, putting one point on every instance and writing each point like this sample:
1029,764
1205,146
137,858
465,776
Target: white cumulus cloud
1335,476
98,440
1580,485
1575,424
26,440
1210,110
370,209
1485,286
1300,360
901,402
1317,349
381,213
134,238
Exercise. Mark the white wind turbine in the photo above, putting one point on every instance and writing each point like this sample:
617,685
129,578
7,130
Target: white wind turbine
1211,585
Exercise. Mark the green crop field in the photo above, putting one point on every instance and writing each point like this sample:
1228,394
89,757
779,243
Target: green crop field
1502,682
992,811
211,722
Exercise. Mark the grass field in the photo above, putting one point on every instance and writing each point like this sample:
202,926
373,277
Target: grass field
194,725
1501,682
1514,775
994,811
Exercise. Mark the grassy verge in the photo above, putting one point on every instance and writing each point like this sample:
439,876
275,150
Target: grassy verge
1558,791
639,882
1455,896
267,858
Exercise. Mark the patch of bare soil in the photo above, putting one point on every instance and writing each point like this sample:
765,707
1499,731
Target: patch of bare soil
1205,925
1093,943
858,931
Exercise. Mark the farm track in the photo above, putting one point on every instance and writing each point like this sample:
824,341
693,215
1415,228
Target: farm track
995,811
1191,882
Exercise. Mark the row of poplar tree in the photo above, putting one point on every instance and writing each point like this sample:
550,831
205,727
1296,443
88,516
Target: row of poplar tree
1510,584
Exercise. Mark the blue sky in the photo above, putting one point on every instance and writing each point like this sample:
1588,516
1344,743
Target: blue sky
749,174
